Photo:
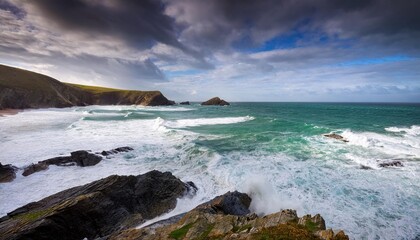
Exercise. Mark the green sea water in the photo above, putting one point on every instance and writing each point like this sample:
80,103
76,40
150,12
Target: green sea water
276,152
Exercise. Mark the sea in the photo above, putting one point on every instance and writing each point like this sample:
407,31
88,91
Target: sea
275,152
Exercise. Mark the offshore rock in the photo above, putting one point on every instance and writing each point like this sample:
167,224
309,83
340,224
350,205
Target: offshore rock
215,101
395,163
217,219
7,173
185,103
116,150
336,136
95,210
33,168
80,158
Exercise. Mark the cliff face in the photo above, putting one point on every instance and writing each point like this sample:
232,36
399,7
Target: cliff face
21,89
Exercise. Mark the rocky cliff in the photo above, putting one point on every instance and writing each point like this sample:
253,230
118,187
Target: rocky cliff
114,207
97,209
21,89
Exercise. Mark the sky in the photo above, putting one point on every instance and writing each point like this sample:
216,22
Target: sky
239,50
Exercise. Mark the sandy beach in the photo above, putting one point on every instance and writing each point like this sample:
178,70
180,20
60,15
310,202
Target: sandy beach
5,112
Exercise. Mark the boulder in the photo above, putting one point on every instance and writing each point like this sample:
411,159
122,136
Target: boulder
84,158
33,168
215,101
97,209
185,103
7,173
233,203
336,136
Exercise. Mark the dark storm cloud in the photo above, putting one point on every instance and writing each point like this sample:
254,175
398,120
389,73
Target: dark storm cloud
7,6
141,23
261,20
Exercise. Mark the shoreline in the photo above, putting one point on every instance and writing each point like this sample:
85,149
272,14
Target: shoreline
9,111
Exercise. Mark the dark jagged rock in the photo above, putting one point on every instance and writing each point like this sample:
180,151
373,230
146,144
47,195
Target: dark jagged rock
233,203
33,168
212,220
84,159
215,101
95,210
116,150
395,163
336,136
80,158
7,173
185,103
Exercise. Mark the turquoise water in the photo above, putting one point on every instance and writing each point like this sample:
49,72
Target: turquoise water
276,152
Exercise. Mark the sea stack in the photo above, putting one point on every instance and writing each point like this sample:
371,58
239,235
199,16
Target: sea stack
215,101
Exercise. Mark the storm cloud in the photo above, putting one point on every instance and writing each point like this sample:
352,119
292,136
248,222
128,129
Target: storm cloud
274,49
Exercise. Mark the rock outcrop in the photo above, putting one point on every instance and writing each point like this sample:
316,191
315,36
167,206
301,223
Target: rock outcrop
79,158
116,150
185,103
336,136
20,89
393,163
7,173
215,101
97,209
227,217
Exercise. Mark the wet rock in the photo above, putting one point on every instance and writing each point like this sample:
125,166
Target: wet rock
97,209
215,101
395,163
185,103
7,173
364,167
80,158
33,168
232,203
336,136
84,158
116,150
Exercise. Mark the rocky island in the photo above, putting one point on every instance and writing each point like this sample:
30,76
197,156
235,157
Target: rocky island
20,89
215,101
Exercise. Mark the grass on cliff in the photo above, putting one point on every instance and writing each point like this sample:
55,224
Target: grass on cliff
100,90
180,233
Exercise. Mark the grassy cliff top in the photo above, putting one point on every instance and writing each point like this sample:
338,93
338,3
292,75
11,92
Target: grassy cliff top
12,77
99,90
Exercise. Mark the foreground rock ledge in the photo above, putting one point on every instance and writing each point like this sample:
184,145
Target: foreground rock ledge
227,217
96,209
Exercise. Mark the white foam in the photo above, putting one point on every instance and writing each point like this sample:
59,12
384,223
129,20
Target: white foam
413,130
182,123
165,109
406,146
